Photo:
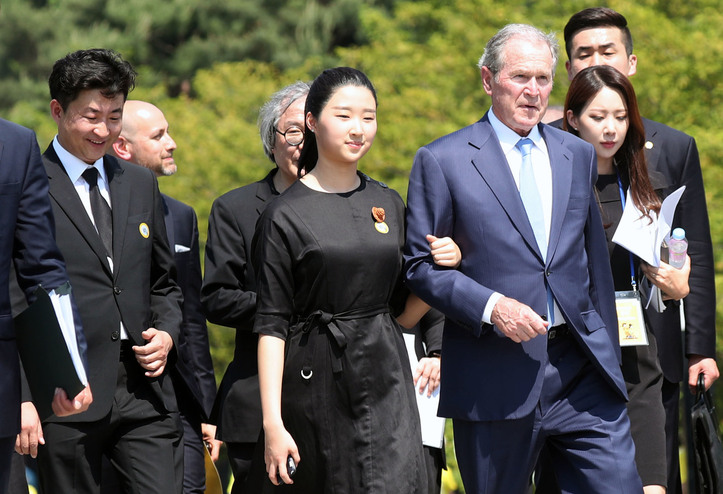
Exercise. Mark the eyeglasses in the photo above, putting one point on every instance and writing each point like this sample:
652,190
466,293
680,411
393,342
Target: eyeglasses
294,135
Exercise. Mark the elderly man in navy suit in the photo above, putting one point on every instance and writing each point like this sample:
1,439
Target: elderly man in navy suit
27,243
530,354
146,141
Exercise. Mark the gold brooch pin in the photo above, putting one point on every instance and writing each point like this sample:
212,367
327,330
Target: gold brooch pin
379,216
144,230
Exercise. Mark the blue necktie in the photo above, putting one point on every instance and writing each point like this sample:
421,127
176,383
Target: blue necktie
533,206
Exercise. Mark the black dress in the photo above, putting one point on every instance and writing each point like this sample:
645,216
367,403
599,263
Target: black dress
641,367
326,275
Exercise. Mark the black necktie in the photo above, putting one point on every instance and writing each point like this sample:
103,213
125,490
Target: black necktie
101,211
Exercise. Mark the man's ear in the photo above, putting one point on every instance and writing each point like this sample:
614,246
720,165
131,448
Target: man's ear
121,148
487,77
56,110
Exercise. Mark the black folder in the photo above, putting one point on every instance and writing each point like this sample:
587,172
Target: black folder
46,360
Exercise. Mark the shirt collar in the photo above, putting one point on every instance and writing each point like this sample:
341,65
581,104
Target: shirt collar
74,166
508,137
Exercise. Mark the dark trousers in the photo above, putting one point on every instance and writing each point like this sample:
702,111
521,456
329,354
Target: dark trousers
138,436
18,481
6,451
194,466
240,457
581,420
671,402
434,460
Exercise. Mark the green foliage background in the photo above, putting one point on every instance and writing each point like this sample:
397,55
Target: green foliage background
210,64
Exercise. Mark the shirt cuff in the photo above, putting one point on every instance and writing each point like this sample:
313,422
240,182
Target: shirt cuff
487,314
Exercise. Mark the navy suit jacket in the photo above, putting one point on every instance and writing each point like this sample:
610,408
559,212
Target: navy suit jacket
229,299
461,186
28,243
140,290
194,366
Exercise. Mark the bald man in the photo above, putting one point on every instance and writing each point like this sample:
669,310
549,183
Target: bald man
145,141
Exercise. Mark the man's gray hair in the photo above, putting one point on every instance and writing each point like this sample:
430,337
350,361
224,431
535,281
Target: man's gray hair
270,113
493,56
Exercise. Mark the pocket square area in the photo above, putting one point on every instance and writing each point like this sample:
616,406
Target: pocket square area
181,248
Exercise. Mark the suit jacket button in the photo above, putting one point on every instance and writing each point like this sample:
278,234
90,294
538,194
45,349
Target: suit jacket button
116,290
115,335
548,273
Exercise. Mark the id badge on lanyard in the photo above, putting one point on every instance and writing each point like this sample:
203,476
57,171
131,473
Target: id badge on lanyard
631,324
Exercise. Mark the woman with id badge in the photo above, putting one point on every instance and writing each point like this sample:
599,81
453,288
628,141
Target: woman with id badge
602,109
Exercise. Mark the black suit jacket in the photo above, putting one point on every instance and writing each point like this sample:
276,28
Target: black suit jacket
229,299
194,368
140,291
674,155
28,243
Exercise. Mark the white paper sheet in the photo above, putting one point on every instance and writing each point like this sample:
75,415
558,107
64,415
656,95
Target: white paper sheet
432,425
644,238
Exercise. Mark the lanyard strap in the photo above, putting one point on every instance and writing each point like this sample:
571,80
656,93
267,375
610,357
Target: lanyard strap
630,255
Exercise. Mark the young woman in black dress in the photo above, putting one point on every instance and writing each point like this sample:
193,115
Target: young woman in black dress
336,384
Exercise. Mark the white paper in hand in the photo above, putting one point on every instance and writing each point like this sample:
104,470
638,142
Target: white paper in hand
644,238
432,425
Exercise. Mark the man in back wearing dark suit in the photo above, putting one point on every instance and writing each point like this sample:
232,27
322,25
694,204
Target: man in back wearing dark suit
600,36
27,243
146,141
530,343
229,285
111,231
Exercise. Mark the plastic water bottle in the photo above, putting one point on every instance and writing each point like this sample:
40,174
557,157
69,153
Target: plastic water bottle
677,248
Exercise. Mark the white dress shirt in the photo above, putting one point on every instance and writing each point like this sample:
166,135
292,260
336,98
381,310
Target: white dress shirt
543,177
75,167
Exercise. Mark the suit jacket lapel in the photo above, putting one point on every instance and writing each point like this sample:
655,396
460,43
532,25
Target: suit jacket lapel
561,165
491,163
264,191
120,197
64,194
652,152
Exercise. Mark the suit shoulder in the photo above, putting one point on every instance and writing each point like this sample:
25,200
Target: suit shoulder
134,171
10,131
177,206
460,136
655,129
381,186
242,195
554,135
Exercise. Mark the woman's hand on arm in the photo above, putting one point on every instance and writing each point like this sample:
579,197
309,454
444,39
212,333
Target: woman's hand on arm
445,251
278,442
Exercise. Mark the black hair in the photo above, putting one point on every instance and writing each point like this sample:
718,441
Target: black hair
319,95
596,17
90,69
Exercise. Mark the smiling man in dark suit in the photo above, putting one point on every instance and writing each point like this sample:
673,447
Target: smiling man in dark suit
146,141
530,353
110,229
